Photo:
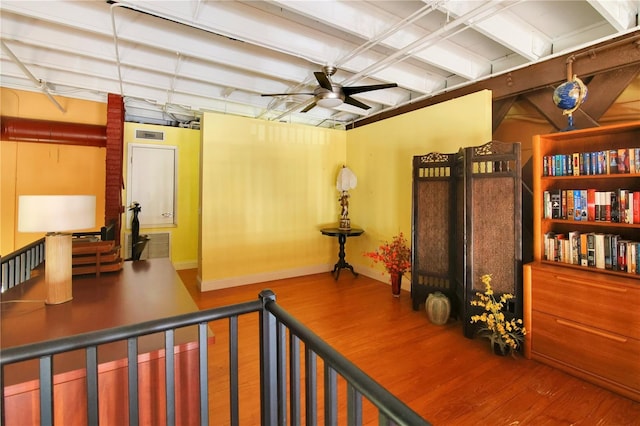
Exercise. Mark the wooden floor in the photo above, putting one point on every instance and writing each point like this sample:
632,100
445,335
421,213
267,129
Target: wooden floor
445,377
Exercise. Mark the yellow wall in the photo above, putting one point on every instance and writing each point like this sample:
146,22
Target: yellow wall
184,235
381,155
267,189
35,168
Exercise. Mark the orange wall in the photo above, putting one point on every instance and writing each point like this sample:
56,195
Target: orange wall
37,168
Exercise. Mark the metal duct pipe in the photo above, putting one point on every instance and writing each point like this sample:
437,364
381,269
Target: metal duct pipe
28,130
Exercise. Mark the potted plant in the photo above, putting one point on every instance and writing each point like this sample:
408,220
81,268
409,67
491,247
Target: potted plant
505,335
396,257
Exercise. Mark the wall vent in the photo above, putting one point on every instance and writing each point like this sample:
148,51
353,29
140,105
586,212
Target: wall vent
159,245
149,135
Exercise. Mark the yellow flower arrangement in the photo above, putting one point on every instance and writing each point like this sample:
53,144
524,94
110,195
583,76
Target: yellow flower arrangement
508,334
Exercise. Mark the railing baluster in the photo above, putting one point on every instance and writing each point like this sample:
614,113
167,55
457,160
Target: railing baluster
282,374
93,414
311,388
17,266
234,405
132,369
354,406
268,366
294,379
330,396
170,377
46,390
203,350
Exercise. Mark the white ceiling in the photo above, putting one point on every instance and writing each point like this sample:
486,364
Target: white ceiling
173,60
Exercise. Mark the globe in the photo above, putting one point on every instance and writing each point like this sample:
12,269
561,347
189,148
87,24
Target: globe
570,95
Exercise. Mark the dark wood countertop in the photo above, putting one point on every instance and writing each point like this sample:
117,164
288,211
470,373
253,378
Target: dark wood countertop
143,290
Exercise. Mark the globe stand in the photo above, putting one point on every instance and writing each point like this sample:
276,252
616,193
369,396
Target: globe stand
570,125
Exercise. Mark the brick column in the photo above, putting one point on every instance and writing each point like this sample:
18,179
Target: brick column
114,179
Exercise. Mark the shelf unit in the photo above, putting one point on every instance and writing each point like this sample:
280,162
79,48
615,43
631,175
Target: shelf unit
582,319
589,140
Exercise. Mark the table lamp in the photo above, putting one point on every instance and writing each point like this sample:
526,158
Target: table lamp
57,215
346,180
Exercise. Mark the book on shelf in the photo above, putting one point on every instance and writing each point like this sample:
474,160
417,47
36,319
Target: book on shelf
623,160
602,162
583,250
546,203
612,161
577,205
556,205
591,249
591,204
607,251
574,248
599,251
615,207
631,257
622,255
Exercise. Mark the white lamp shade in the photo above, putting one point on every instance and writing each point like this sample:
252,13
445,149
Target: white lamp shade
56,213
346,179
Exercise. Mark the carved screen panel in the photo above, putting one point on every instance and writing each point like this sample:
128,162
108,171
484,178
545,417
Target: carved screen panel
492,225
433,204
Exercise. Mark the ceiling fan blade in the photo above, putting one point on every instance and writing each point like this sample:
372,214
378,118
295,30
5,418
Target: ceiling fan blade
309,107
286,94
351,101
350,90
323,80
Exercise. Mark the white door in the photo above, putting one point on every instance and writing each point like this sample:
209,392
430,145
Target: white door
151,182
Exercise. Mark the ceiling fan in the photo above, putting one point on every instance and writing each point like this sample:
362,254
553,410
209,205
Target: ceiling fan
330,95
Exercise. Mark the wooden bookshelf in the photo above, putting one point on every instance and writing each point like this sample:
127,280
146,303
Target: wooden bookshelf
582,319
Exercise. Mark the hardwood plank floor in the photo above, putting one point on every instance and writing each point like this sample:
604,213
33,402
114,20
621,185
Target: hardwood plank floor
445,377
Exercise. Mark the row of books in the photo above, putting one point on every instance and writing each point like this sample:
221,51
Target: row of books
619,206
602,251
613,161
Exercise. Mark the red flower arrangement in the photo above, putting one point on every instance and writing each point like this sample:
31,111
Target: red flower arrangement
395,255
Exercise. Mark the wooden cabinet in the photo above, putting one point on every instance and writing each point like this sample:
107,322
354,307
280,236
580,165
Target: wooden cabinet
581,318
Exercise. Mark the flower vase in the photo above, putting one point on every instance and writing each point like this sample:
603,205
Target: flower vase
501,350
438,308
396,283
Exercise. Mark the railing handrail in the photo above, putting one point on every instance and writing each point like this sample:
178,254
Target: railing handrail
115,334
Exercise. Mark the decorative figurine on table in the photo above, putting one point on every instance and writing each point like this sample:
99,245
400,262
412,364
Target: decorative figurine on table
346,180
138,242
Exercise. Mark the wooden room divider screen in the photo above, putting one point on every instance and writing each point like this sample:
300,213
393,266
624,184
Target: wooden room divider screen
467,222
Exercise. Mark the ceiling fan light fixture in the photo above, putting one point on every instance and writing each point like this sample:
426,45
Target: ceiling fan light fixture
329,102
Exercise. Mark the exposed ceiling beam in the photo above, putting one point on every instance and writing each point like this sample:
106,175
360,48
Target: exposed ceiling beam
617,53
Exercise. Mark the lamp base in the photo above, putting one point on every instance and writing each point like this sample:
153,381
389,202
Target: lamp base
57,267
345,224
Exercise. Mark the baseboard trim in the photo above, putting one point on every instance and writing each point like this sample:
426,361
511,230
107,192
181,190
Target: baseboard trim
262,277
193,264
